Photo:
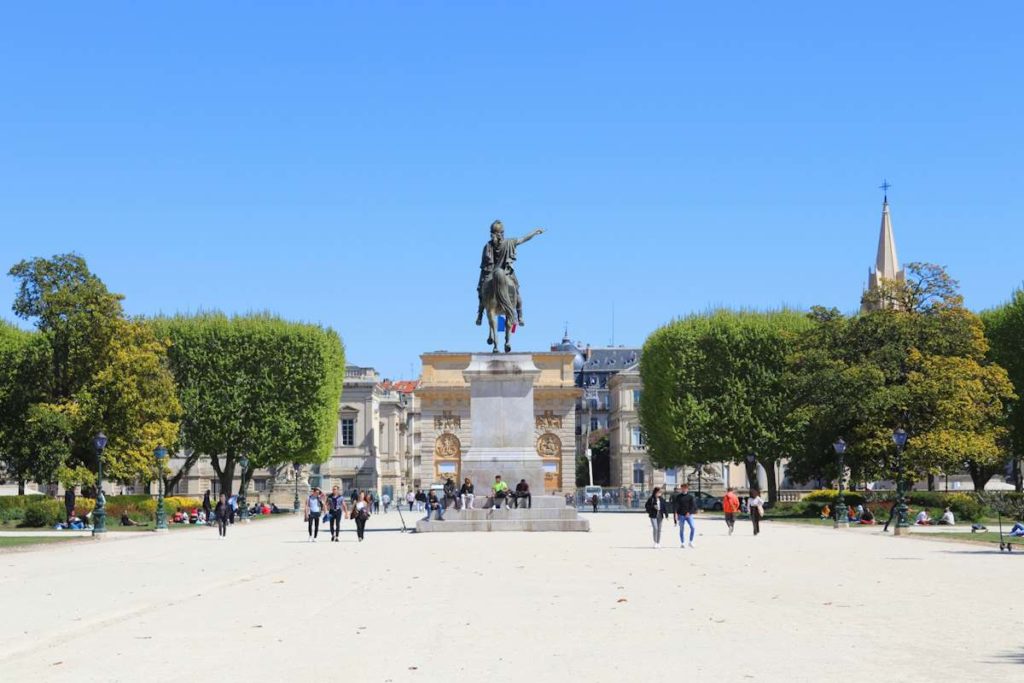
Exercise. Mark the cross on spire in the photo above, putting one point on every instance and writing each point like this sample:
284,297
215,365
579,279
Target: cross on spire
884,187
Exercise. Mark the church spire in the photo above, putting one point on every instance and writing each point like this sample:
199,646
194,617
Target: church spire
887,266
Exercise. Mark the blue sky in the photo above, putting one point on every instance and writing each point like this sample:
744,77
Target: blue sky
341,162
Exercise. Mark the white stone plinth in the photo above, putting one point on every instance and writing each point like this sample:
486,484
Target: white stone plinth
502,414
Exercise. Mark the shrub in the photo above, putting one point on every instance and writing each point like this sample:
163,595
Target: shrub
175,503
18,502
43,513
12,514
854,498
966,506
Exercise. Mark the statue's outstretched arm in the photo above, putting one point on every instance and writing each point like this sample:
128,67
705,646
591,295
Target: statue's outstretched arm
529,237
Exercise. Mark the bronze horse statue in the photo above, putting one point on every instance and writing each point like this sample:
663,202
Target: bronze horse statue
498,297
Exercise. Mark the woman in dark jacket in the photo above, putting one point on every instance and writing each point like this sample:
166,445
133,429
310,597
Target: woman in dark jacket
222,512
657,510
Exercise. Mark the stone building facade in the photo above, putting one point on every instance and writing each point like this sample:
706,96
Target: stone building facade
446,428
374,446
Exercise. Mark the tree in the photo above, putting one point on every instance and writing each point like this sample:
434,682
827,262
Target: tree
715,389
101,371
33,441
254,385
1004,329
921,354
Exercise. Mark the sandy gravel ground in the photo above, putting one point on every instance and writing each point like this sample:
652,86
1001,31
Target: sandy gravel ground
794,604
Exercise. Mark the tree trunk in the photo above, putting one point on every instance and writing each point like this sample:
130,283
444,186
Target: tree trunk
226,474
191,458
1018,479
979,476
931,482
21,487
751,473
773,484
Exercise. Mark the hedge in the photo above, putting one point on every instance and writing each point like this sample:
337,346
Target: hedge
40,511
853,498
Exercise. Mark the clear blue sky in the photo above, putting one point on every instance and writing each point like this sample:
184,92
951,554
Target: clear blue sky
341,162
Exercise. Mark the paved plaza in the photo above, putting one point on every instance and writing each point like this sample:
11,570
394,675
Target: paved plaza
794,604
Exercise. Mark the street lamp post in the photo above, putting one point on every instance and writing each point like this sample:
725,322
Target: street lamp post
298,468
840,512
99,513
590,465
244,462
161,515
899,437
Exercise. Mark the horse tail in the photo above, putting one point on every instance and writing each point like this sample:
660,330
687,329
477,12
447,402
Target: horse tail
503,294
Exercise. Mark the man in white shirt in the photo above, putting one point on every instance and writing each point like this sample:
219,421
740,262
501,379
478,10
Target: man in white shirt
947,518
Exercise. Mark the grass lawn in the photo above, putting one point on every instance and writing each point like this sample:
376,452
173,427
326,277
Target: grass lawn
11,541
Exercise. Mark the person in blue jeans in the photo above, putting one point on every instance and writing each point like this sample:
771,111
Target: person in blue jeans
434,505
685,508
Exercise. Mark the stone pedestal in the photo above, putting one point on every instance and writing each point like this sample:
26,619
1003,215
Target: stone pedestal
502,413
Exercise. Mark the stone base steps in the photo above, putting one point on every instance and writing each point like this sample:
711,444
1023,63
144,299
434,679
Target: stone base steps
480,515
548,513
507,524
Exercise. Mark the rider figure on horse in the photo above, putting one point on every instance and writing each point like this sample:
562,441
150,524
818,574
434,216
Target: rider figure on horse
501,253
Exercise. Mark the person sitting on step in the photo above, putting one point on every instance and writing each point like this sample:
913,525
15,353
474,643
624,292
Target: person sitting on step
499,491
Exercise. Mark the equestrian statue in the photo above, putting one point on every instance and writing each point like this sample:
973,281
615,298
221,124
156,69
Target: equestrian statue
498,289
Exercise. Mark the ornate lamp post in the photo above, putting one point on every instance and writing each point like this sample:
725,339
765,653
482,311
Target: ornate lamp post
840,447
99,514
161,515
244,462
298,468
899,437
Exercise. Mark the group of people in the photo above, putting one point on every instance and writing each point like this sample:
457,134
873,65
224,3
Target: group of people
333,508
683,508
462,498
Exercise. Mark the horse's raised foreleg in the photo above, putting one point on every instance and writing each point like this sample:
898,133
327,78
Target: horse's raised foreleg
508,338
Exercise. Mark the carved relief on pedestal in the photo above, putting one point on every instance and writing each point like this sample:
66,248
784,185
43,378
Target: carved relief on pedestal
549,446
549,421
447,446
447,421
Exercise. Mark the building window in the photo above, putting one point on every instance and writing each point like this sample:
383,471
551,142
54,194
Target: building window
671,477
637,437
637,393
348,432
260,484
594,424
638,473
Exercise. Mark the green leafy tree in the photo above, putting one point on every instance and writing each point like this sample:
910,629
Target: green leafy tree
715,389
1004,329
254,385
918,353
100,371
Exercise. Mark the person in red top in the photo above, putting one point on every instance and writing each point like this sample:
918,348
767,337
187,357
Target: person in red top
730,506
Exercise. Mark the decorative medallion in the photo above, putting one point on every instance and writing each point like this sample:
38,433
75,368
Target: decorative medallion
549,446
549,421
447,421
447,446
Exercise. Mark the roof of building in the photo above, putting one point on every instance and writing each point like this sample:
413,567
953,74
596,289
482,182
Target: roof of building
402,386
609,359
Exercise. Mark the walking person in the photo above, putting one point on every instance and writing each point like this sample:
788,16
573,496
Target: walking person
69,503
657,511
594,501
410,499
361,513
730,506
207,507
466,493
386,501
685,507
314,508
755,506
336,510
222,513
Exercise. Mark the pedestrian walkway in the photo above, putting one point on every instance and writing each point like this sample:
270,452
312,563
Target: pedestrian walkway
269,605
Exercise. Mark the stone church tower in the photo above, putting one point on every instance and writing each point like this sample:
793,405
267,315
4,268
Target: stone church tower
887,266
